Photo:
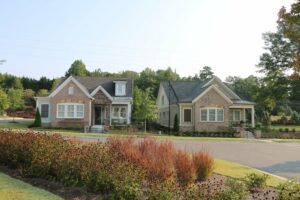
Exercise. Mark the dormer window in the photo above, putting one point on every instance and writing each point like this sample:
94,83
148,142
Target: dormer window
71,90
163,100
120,88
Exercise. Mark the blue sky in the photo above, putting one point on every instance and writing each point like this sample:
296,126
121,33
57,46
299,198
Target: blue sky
43,38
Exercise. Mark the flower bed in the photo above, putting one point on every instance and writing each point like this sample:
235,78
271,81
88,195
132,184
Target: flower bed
117,168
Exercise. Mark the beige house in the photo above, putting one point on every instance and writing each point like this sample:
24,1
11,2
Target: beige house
91,102
202,105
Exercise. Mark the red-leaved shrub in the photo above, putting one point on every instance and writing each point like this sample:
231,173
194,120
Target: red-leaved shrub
159,158
204,163
185,169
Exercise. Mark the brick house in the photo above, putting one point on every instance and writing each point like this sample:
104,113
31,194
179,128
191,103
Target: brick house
90,102
207,105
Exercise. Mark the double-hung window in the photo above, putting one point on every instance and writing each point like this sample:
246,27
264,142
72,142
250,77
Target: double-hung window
235,115
119,112
211,114
70,110
44,110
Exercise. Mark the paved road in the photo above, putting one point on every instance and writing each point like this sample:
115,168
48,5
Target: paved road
282,159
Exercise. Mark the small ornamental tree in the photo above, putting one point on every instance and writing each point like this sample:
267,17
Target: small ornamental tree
37,120
176,125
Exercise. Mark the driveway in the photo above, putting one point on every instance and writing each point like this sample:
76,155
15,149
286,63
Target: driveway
282,159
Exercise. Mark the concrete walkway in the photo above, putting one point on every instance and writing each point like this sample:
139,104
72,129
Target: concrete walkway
282,159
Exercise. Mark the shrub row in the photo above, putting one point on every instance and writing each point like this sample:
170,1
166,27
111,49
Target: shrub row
119,168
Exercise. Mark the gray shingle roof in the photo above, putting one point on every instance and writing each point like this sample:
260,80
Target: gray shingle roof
184,91
187,91
91,83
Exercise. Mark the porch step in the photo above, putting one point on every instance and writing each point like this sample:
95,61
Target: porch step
97,129
250,135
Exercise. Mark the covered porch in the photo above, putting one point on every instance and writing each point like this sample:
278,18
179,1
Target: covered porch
105,115
242,112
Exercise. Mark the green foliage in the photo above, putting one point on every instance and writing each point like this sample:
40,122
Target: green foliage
295,117
204,164
8,81
255,181
42,92
28,97
37,120
77,68
176,124
144,105
4,103
206,73
16,98
289,23
235,190
290,190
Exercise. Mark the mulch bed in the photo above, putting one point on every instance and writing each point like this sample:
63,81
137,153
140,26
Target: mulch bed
214,183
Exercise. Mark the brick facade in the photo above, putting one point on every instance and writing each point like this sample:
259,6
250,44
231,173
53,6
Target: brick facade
212,99
64,97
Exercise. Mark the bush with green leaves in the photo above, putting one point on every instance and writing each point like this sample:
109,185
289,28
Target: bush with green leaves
255,181
235,190
37,120
290,190
176,125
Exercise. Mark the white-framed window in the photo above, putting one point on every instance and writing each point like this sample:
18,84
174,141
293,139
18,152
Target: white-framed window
119,112
123,112
211,114
116,112
71,90
120,89
203,115
235,115
162,100
187,115
70,110
44,110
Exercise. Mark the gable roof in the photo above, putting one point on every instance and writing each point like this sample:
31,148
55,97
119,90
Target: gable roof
184,91
107,83
65,82
187,91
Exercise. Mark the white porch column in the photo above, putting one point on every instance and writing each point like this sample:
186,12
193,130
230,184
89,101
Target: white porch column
128,113
244,116
90,114
252,117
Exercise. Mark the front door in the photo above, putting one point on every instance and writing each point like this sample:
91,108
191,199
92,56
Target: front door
98,115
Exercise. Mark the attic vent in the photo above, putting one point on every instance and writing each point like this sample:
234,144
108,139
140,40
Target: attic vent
71,90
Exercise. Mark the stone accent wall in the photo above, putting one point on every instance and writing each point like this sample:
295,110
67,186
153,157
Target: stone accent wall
212,99
64,97
101,98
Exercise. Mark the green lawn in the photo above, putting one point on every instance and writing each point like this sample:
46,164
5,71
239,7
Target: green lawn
236,170
11,188
283,127
17,125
